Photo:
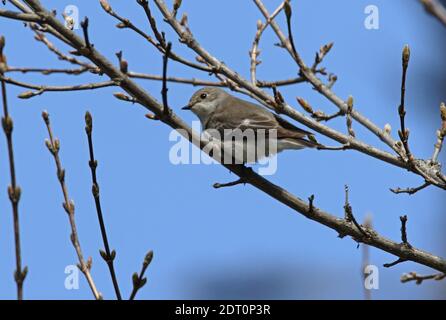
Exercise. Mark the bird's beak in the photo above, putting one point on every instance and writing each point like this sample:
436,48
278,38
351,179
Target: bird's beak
188,107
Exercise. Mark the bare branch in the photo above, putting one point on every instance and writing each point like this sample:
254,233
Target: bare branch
410,191
229,184
108,255
166,110
40,89
14,190
404,132
28,17
46,71
413,276
139,280
53,145
348,214
254,53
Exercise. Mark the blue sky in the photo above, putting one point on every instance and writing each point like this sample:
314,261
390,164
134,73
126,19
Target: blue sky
234,242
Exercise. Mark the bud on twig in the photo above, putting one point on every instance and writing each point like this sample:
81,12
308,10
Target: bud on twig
406,55
105,5
287,8
305,105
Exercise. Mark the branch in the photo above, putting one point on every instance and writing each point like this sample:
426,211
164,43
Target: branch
45,71
404,132
410,191
276,192
27,17
254,53
14,190
348,214
138,280
107,255
413,276
53,145
436,9
40,89
166,110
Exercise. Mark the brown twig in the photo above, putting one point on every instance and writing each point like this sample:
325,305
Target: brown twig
410,191
108,255
27,17
413,276
229,184
404,132
14,190
139,280
40,89
254,53
348,214
318,115
404,242
46,71
164,90
53,145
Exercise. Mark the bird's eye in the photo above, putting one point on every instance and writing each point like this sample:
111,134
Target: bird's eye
203,96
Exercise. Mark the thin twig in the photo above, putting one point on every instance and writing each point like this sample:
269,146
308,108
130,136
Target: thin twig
404,132
254,53
47,71
318,115
413,276
139,280
229,184
40,89
404,231
126,23
53,145
410,191
166,110
14,190
84,25
107,255
349,217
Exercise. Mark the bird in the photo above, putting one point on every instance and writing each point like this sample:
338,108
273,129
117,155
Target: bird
221,114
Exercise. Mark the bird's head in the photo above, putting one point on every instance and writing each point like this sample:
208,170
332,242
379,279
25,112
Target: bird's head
205,101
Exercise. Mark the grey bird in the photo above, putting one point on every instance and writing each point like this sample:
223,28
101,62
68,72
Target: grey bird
219,111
